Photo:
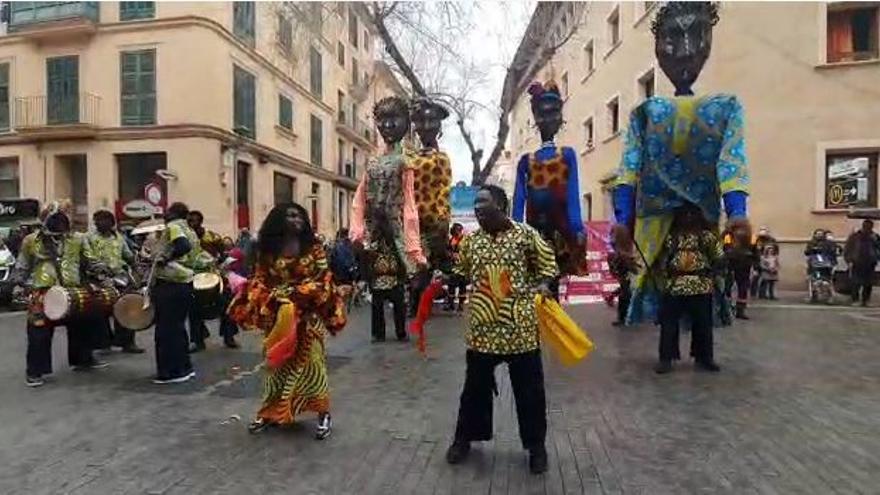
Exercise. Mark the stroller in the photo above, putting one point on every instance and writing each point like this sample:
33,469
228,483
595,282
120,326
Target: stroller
820,271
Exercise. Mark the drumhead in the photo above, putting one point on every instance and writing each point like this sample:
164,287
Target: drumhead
202,281
56,303
129,311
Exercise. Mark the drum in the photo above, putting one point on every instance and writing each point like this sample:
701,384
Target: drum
134,311
60,303
208,290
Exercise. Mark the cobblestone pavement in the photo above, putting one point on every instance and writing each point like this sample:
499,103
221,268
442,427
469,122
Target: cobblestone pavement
795,410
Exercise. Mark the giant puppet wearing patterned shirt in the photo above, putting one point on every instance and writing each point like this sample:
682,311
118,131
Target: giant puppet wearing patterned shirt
387,186
679,151
547,189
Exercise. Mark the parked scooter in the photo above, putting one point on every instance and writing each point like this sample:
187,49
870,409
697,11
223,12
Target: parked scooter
822,256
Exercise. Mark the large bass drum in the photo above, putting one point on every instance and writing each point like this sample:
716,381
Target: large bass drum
134,311
61,303
208,291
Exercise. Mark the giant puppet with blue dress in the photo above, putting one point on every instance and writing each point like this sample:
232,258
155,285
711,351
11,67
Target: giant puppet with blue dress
680,153
547,193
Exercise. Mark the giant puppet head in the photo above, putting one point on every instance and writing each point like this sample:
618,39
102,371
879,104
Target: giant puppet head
546,108
392,118
427,118
683,40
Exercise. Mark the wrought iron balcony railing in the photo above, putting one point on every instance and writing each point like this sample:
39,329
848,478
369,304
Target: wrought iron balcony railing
34,112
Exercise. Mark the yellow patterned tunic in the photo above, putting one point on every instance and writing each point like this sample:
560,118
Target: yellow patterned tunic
303,290
432,181
504,269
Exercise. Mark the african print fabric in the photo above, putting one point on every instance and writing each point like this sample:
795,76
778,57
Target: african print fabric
432,180
677,150
504,270
691,262
111,250
299,383
547,192
38,263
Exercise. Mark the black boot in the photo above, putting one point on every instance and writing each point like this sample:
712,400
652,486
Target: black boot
741,311
538,460
458,452
663,367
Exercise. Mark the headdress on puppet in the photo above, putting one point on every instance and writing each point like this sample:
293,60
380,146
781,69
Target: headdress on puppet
51,213
390,105
422,103
547,91
707,10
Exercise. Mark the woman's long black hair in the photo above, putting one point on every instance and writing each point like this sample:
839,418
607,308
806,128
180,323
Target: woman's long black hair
274,232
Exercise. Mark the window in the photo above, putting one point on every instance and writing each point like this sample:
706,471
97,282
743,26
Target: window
62,88
614,28
340,161
316,73
285,112
851,180
352,28
340,106
244,103
285,33
129,11
4,97
284,188
589,57
853,33
588,133
316,143
138,87
243,22
316,193
646,85
613,108
9,187
352,172
564,84
354,71
366,40
341,207
340,53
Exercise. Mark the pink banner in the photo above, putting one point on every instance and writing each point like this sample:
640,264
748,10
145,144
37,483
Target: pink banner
599,283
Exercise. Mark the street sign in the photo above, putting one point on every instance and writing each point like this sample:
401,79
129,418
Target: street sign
139,208
19,209
847,192
848,167
166,174
153,193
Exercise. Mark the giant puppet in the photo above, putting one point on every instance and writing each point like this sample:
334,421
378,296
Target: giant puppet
547,190
385,196
680,152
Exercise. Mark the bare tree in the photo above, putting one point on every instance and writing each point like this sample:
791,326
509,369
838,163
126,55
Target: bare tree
422,41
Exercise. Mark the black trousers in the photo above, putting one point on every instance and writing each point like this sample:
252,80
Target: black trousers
456,282
115,335
742,278
862,283
699,311
624,299
527,381
198,331
172,302
396,297
39,346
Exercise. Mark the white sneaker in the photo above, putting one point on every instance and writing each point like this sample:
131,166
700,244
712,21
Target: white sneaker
179,379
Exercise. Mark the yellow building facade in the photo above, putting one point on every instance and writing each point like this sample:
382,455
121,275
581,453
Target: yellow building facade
231,107
807,74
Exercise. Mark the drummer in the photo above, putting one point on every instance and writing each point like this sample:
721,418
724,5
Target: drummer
45,253
173,295
110,249
211,243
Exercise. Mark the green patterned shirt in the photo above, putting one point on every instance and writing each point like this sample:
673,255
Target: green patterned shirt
181,270
691,263
111,250
38,266
504,270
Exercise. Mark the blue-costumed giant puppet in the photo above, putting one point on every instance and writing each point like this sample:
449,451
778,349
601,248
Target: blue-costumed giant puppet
679,151
547,189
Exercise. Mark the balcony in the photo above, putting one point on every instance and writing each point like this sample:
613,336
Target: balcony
53,19
69,116
354,128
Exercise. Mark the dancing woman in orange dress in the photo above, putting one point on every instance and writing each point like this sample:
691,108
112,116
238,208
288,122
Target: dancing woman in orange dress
292,298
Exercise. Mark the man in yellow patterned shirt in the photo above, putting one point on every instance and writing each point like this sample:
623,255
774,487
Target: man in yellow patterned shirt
508,263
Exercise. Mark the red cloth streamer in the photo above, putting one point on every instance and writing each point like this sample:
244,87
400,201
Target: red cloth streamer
426,302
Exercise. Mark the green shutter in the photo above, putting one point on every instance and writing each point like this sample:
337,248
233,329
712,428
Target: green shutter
138,87
316,75
285,33
130,11
316,143
244,103
4,97
62,91
243,21
285,112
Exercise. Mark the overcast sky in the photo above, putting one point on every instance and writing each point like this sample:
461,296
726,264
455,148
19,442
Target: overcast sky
494,39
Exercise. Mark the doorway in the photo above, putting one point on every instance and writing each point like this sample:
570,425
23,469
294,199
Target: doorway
71,182
243,194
